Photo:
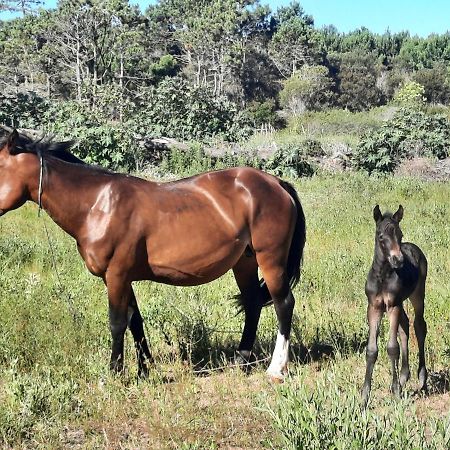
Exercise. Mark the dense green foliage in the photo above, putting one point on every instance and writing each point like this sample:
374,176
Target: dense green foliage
113,77
410,133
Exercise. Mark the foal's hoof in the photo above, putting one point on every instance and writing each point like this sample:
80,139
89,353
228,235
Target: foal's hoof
396,389
404,377
143,373
423,376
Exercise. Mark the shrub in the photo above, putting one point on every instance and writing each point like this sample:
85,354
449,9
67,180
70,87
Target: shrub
22,110
289,161
411,95
409,133
99,141
178,110
308,88
261,113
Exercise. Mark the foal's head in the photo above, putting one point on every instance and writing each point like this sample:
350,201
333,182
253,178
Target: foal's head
388,237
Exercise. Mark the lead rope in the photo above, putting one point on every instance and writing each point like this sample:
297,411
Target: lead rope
41,176
73,310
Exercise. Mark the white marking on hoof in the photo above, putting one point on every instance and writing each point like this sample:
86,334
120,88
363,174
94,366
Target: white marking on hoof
280,358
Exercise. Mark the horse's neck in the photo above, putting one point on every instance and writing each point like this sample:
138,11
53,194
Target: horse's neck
380,265
68,192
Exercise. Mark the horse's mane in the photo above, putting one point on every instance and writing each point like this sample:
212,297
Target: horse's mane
46,145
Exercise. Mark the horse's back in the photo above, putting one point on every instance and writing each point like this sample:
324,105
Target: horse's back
416,257
199,227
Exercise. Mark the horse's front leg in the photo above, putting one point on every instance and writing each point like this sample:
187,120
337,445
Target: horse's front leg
136,325
393,348
119,293
374,315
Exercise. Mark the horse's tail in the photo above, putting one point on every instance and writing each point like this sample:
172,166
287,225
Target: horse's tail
295,256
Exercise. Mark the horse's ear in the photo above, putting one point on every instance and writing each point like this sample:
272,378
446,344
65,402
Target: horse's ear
377,216
398,216
11,141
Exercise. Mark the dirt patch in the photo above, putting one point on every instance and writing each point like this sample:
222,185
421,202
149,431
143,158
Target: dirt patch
425,169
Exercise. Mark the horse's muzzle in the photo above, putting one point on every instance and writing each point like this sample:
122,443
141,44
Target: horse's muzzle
396,261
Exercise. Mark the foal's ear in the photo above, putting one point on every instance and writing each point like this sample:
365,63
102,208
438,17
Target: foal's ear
377,216
11,141
398,216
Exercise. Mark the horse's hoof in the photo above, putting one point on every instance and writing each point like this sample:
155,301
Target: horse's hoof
276,377
405,375
242,359
143,374
396,389
276,380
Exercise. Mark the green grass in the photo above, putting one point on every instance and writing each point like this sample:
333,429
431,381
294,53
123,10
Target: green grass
56,392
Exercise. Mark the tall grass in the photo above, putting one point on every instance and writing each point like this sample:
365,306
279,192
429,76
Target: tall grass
55,389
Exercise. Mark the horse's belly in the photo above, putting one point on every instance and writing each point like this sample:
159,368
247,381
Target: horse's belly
184,267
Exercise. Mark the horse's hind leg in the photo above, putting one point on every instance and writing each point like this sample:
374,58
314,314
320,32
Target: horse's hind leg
246,274
136,325
403,332
284,302
420,327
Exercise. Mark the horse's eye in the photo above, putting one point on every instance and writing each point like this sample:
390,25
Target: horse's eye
380,237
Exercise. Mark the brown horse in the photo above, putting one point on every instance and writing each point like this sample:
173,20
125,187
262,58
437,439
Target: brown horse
183,233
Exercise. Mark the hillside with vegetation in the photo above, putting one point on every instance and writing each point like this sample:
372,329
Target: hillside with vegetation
352,119
214,73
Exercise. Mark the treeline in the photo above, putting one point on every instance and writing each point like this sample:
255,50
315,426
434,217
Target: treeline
193,68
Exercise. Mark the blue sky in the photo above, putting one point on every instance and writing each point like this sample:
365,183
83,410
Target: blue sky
421,17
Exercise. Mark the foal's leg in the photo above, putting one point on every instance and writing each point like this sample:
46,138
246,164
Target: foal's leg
119,291
374,315
136,326
403,332
246,274
393,348
420,328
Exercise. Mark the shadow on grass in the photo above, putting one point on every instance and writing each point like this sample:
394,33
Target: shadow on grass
207,355
209,349
439,382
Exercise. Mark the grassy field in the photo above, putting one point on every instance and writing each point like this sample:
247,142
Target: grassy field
56,392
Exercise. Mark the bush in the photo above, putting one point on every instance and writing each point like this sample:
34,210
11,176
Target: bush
289,161
22,110
178,110
410,133
307,89
99,141
411,95
262,113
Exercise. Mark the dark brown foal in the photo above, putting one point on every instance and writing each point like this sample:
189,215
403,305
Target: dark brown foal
399,271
